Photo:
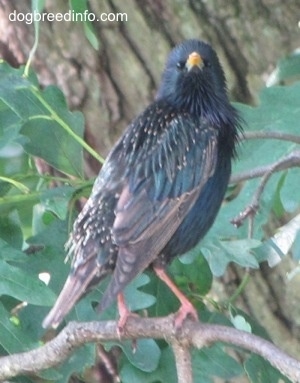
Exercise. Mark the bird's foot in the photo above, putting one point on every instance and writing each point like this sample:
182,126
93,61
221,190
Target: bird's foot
124,314
186,310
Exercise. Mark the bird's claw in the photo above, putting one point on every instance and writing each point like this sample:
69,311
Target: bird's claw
186,310
124,314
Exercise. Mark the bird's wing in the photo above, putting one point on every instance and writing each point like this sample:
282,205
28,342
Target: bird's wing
90,244
161,187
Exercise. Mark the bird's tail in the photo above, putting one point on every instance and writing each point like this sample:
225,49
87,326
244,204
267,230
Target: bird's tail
75,287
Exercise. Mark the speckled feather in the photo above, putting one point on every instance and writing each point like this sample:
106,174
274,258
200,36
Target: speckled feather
161,186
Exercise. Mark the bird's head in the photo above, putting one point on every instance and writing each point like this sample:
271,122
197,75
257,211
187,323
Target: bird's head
193,78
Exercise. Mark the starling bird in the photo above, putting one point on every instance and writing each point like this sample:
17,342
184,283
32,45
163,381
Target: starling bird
161,186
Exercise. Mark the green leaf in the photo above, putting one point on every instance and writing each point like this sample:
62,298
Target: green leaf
260,371
81,359
9,127
214,361
289,193
36,7
135,298
9,253
24,379
241,251
13,338
270,252
166,301
52,132
53,235
278,207
165,372
48,140
80,6
287,69
24,286
195,276
91,35
15,93
57,200
52,256
31,318
272,113
256,328
145,356
48,375
240,323
20,202
23,188
216,258
10,230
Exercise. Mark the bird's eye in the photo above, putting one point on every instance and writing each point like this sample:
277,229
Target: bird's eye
180,65
206,63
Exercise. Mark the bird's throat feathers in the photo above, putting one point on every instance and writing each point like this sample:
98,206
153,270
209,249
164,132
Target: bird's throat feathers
201,102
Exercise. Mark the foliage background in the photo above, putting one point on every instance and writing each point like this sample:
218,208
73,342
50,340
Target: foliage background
39,203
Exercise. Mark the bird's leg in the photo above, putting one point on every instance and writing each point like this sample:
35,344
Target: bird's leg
124,314
186,307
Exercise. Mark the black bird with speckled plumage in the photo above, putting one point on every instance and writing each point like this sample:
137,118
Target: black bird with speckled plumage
162,184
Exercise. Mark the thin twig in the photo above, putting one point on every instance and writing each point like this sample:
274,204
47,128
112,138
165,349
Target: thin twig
288,366
241,287
291,160
183,362
270,135
194,334
108,362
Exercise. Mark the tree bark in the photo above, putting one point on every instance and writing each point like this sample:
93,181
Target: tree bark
111,85
193,334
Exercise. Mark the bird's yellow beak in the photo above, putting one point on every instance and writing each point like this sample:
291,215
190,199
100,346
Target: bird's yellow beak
193,60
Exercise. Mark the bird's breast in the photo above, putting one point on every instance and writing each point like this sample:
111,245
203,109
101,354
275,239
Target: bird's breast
202,215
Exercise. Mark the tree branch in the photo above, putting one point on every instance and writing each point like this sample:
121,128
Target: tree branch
183,361
192,334
291,160
271,135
